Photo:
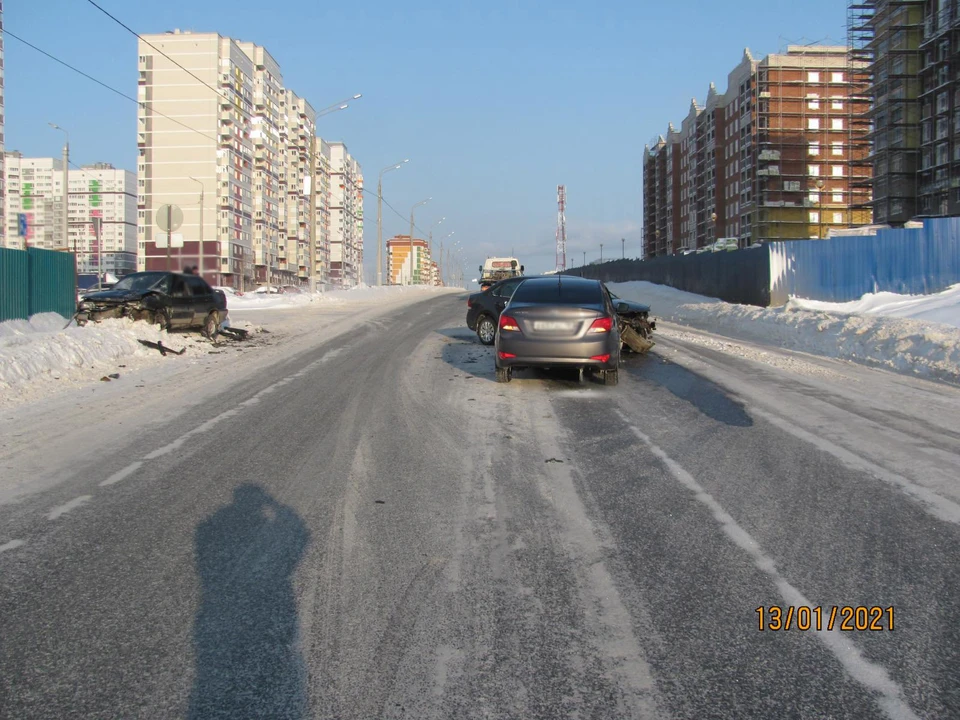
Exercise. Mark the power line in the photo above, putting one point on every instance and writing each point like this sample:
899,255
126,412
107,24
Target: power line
104,85
396,212
318,113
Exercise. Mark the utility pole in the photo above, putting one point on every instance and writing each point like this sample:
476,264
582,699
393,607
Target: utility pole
201,257
623,248
65,219
601,252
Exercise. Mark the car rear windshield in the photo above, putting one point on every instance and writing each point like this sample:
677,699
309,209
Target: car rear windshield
557,293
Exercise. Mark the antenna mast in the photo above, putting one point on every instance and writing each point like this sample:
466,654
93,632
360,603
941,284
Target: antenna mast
561,228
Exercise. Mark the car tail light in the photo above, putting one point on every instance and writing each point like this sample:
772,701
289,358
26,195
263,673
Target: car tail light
505,356
509,324
601,358
601,325
469,302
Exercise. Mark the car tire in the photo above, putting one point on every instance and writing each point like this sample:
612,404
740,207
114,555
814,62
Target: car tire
486,330
503,375
611,377
161,317
211,325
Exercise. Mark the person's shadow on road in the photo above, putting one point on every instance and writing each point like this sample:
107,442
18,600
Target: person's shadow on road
248,662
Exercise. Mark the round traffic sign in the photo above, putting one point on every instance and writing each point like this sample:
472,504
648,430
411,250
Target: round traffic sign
169,218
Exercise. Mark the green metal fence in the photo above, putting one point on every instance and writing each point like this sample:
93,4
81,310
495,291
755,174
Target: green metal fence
34,281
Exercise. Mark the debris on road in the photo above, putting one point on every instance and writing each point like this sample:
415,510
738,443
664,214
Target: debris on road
161,347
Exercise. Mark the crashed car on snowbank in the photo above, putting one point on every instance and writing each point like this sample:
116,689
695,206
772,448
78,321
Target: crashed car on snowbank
636,327
172,300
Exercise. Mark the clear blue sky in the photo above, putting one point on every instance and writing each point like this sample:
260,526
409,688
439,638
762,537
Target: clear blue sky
495,102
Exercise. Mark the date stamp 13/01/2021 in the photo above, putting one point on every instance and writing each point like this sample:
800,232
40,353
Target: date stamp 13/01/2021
847,618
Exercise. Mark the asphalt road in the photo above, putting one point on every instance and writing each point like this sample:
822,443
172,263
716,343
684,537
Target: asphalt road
375,528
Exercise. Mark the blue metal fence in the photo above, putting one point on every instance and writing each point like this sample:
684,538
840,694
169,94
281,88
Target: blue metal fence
916,261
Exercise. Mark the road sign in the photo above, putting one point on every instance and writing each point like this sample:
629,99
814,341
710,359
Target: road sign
169,218
161,239
22,224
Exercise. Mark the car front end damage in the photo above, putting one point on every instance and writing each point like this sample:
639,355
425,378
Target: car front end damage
137,307
636,327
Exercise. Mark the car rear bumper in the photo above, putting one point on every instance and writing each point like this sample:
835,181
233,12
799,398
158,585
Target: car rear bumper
557,362
559,353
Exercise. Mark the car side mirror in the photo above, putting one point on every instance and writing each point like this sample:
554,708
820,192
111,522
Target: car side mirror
521,268
623,307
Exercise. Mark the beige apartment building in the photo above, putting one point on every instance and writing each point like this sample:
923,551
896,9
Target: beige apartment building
224,140
35,190
2,181
346,217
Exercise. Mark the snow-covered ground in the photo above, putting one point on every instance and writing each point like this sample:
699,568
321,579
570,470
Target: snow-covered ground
46,354
913,335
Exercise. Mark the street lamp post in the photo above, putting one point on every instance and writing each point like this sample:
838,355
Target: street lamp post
601,253
623,248
201,258
65,219
387,169
440,255
415,206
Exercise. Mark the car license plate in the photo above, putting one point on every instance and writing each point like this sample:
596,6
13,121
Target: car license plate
552,325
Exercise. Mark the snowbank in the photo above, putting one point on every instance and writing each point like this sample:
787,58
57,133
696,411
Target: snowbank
911,346
942,308
45,347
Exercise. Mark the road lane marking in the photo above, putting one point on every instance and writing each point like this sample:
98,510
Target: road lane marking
12,545
122,474
872,676
67,507
940,507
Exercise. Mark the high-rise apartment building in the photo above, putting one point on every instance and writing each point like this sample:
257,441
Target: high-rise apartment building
346,217
885,38
224,140
269,157
777,156
400,269
35,189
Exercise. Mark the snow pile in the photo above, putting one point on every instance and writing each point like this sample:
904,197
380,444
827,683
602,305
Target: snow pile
943,307
43,347
925,349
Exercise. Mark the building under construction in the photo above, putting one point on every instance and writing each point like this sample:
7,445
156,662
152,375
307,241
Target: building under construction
885,38
782,154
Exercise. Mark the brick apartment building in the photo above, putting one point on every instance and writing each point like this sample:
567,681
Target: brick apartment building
782,153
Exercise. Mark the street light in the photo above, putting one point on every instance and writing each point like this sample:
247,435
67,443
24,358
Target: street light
342,105
201,257
387,169
65,220
415,206
601,253
623,248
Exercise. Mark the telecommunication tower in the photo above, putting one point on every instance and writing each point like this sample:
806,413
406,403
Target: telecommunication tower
561,228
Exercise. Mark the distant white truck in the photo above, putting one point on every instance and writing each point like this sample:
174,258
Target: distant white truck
495,269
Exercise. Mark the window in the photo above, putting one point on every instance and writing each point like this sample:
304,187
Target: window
836,124
813,77
836,103
838,218
813,170
837,196
836,148
813,101
814,197
836,77
813,123
837,171
814,216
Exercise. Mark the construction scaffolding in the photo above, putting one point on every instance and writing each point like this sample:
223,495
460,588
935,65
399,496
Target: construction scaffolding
885,38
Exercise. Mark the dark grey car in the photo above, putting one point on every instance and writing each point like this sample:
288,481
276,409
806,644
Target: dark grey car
559,321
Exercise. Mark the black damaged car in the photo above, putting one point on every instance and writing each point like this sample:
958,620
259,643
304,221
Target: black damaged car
172,300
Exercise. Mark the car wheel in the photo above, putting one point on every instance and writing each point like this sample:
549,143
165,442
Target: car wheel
486,330
503,375
611,377
211,325
161,317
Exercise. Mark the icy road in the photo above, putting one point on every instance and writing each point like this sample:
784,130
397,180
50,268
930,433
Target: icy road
353,520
